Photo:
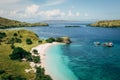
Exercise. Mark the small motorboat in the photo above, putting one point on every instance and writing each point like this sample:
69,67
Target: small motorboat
97,43
108,44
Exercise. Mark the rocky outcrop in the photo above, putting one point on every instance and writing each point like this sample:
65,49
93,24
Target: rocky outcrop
66,40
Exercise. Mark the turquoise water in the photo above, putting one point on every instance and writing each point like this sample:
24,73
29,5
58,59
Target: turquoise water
57,64
82,59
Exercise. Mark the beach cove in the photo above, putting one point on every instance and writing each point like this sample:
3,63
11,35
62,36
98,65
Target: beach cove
86,60
53,61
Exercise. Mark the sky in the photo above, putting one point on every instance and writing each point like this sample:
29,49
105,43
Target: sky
78,10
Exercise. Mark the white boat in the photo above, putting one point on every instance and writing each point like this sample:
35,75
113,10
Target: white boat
97,43
108,44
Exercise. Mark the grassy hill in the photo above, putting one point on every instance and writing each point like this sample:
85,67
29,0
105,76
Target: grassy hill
109,23
15,67
7,23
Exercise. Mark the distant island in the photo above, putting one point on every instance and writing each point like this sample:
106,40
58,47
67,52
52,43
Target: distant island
107,24
8,23
71,26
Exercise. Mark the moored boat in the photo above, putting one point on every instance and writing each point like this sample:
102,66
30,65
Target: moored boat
97,43
108,44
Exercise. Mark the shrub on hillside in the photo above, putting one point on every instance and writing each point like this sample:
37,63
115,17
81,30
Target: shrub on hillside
36,59
59,40
40,41
29,57
2,35
50,40
15,34
35,51
18,53
40,74
17,40
14,40
12,46
28,41
2,71
11,41
12,77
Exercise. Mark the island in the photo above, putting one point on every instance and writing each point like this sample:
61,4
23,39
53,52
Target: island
107,24
71,26
22,53
8,23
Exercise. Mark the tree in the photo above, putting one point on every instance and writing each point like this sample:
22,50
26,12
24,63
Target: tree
18,53
36,59
50,40
2,71
11,77
12,46
40,74
0,41
29,57
14,40
2,35
35,51
15,34
28,41
59,40
40,41
46,77
17,40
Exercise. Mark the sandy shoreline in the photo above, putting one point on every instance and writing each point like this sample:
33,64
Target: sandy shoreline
41,50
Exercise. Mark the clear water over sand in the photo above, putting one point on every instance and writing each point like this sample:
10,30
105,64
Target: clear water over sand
57,63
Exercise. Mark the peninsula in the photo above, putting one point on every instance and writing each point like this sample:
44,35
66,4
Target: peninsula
8,23
22,54
107,24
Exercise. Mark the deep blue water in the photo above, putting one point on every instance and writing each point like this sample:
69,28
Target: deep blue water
87,61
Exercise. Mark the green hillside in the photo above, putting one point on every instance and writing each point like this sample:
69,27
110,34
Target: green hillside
108,24
7,23
15,67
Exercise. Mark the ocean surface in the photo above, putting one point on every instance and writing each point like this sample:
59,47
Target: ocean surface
82,60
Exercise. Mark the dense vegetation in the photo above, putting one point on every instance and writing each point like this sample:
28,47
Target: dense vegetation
36,59
109,23
2,35
6,76
59,39
19,53
35,51
7,23
50,40
40,74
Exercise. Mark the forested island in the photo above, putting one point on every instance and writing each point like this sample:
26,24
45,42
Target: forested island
107,23
8,23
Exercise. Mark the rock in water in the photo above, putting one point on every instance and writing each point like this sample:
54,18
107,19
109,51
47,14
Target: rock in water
66,40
